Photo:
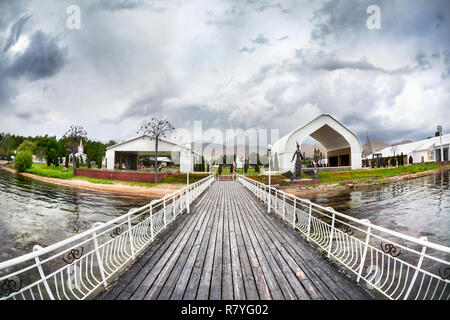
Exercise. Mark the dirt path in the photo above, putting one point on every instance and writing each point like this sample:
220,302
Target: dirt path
119,188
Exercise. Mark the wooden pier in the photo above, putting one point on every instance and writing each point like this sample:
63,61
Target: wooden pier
229,247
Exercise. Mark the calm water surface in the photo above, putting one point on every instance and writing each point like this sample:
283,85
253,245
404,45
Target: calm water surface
416,207
34,212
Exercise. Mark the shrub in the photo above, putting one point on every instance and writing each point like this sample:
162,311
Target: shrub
99,163
23,161
89,163
220,169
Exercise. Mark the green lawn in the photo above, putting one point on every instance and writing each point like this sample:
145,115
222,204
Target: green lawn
326,177
41,169
355,176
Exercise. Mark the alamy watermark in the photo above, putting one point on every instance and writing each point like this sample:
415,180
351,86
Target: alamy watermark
74,19
374,20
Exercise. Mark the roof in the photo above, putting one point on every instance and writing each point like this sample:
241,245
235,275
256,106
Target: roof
280,145
150,137
421,145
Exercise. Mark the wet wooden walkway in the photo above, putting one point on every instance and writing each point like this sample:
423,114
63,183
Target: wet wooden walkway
228,247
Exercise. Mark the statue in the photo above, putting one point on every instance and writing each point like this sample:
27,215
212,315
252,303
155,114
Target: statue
298,162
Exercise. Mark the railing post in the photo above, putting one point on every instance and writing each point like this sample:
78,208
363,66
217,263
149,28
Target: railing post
332,231
174,211
151,219
268,200
188,209
130,232
366,245
284,206
309,220
164,215
97,253
41,272
419,264
294,216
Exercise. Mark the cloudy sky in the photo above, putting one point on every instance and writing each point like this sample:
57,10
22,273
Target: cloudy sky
232,64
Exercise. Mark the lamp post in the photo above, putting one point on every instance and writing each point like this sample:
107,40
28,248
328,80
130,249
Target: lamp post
439,130
269,149
188,146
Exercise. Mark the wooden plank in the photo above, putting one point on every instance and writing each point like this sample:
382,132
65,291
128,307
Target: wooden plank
147,282
184,277
216,279
279,289
278,262
236,268
320,271
230,248
249,288
194,281
227,276
205,279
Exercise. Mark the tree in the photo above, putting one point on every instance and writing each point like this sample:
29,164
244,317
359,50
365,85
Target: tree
50,148
157,129
220,169
94,150
27,145
23,160
257,169
276,166
74,136
245,165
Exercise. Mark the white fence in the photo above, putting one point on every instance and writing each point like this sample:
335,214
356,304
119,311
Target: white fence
78,267
396,265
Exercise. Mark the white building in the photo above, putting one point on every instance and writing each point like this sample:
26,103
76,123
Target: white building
343,146
427,150
79,154
125,154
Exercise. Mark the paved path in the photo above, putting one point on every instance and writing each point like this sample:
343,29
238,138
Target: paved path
228,247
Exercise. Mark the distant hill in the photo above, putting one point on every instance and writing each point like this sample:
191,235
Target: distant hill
402,142
376,145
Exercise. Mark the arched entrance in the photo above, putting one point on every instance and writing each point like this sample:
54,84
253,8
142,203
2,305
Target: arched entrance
343,146
410,160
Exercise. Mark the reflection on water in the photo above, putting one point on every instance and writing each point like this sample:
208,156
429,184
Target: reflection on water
34,212
417,207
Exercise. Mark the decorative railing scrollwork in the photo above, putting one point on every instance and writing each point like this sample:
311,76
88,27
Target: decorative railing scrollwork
142,217
116,232
346,229
445,275
391,249
73,255
13,284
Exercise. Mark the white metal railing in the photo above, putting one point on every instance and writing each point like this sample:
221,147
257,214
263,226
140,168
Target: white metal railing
396,265
78,267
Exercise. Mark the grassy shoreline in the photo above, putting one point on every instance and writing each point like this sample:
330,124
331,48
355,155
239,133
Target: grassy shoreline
362,177
328,181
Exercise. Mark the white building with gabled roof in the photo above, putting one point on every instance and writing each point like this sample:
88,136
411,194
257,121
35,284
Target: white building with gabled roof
427,150
124,155
343,146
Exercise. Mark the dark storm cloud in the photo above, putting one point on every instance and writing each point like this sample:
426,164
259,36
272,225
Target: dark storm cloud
119,5
43,58
15,32
260,39
347,20
248,50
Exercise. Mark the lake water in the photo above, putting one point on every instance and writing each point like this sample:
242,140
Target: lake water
416,207
34,212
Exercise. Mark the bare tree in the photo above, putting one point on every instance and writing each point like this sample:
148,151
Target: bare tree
74,135
157,129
